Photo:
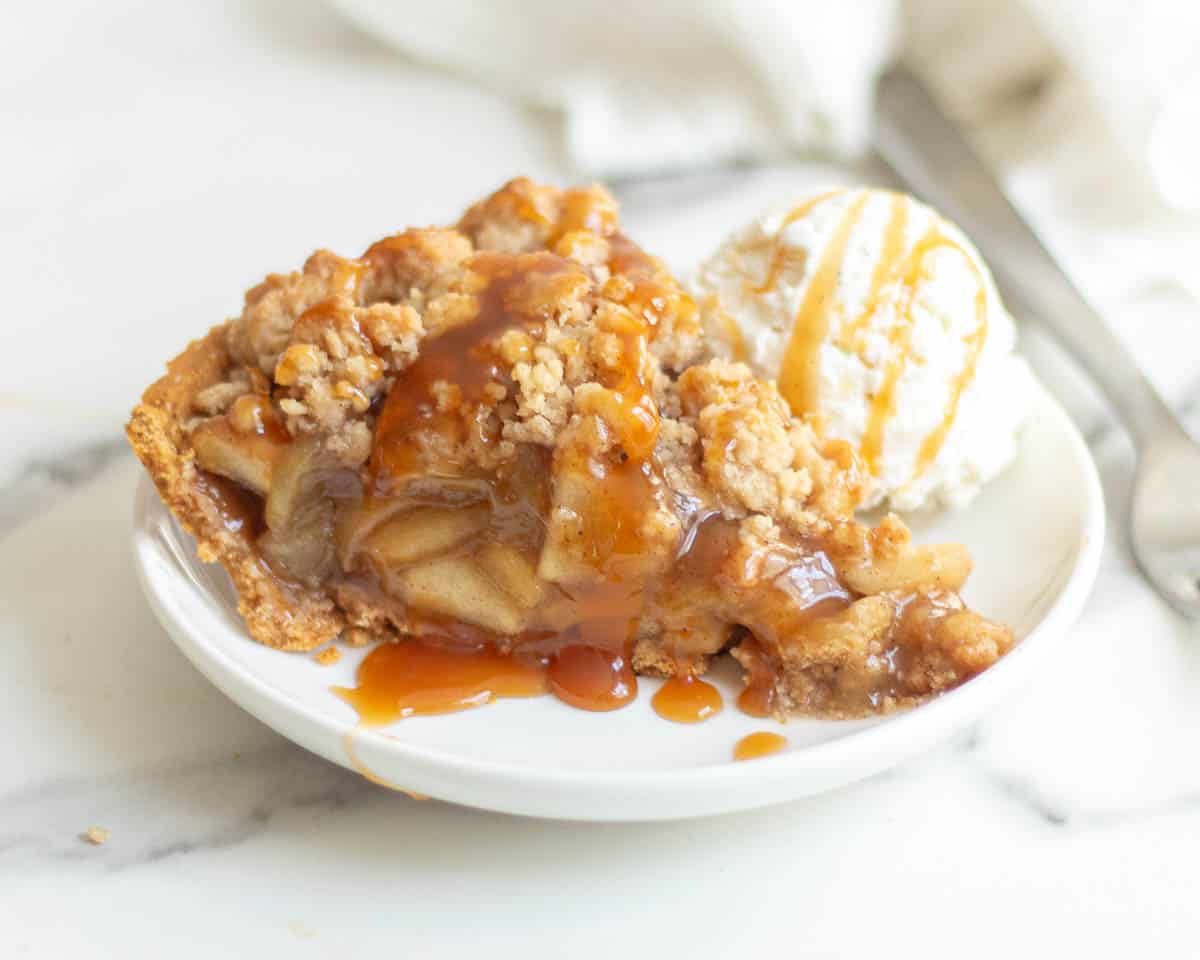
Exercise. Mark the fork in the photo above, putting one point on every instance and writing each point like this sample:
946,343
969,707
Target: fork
921,144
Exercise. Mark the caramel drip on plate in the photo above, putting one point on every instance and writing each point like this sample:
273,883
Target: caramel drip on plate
758,698
799,375
685,698
779,252
761,744
398,680
596,673
370,775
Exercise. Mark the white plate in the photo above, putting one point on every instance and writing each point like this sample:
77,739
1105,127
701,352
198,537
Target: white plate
1035,533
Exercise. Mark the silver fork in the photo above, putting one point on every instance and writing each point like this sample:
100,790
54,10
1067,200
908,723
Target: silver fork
925,148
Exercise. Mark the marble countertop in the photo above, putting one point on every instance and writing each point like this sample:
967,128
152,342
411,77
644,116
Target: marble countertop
157,159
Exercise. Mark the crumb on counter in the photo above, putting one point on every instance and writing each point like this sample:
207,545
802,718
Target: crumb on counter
301,929
96,836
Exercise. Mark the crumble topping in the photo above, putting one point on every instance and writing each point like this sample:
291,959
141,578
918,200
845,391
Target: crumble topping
756,455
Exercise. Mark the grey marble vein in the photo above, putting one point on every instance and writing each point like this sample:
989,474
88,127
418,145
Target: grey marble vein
1058,812
42,480
204,805
1026,794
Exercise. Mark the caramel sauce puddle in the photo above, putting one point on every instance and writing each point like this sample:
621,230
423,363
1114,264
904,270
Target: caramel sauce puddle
685,698
760,744
420,678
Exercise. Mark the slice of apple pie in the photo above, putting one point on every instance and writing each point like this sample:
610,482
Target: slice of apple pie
518,434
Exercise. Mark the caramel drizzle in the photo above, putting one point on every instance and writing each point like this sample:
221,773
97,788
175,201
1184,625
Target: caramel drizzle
779,252
798,377
348,278
895,278
900,340
885,268
883,407
731,333
932,444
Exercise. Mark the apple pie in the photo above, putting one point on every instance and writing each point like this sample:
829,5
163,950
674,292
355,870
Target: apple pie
519,435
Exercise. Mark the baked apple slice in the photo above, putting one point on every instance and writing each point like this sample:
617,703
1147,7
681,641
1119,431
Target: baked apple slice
457,587
246,458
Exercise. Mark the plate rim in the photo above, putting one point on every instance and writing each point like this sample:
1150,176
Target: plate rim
913,728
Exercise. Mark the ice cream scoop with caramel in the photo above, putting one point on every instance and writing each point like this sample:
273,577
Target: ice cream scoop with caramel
878,315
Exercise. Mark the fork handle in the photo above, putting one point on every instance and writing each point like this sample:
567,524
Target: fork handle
924,147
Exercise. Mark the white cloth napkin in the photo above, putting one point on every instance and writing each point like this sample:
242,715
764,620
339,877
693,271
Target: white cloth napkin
1083,105
1086,107
646,87
1141,66
652,86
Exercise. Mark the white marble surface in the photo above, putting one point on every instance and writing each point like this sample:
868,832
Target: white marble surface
156,157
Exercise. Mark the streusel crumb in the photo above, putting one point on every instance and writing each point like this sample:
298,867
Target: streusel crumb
96,836
328,657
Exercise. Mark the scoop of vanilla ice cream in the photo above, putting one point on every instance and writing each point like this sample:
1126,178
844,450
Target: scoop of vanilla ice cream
879,315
